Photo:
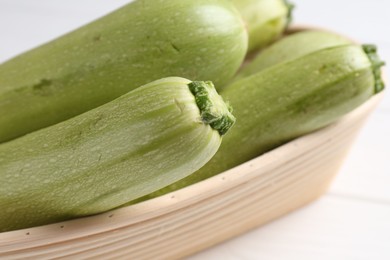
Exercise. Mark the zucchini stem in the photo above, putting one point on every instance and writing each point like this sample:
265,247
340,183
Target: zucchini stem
376,64
290,7
213,110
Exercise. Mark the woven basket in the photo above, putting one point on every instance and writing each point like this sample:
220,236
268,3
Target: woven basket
204,214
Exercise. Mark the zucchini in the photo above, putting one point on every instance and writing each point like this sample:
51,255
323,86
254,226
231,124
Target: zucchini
143,41
265,20
291,47
127,148
289,100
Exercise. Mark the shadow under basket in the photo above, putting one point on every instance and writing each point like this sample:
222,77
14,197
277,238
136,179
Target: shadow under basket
191,219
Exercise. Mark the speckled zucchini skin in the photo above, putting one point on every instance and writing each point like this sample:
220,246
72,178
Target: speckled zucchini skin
141,42
292,47
120,151
265,20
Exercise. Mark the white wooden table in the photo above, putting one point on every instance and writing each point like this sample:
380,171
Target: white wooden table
352,221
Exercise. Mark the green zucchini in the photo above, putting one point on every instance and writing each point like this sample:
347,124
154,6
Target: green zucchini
141,42
265,20
288,100
291,47
127,148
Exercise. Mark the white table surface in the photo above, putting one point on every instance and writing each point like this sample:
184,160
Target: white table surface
352,221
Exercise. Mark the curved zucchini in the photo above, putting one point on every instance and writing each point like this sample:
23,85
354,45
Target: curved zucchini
289,100
127,148
265,20
292,47
141,42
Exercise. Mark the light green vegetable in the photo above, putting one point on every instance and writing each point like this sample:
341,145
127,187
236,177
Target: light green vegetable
289,100
265,20
125,149
292,47
141,42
